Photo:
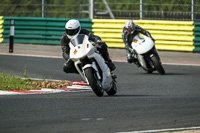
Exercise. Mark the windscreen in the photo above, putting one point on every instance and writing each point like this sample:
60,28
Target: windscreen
78,40
138,38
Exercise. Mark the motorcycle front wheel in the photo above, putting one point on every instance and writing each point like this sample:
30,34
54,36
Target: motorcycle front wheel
157,64
93,82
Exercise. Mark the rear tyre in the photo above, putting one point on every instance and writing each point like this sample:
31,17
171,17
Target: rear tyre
113,90
149,66
149,71
157,64
93,82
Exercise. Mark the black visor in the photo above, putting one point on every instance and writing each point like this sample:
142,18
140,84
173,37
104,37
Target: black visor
72,32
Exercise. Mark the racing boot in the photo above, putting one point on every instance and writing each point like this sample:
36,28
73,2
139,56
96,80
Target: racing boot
111,65
114,77
130,57
137,63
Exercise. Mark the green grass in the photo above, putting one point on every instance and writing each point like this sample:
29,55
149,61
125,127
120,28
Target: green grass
9,82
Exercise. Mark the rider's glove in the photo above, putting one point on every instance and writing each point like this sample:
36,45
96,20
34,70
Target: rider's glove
99,43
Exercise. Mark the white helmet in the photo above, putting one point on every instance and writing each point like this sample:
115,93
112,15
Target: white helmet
72,28
130,26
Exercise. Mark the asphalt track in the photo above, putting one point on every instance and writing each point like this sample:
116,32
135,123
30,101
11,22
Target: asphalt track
143,101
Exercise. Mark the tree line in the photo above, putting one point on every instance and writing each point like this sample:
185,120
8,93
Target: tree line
79,8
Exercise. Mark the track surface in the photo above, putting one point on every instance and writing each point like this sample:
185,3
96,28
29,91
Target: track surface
143,102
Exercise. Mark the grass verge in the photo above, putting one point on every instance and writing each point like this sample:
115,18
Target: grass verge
9,82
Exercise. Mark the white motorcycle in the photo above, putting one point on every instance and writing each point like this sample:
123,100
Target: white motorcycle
147,54
91,66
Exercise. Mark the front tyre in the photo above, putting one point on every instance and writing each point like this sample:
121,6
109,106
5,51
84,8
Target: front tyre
93,82
157,64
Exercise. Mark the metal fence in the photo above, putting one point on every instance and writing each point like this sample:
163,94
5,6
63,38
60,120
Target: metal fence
145,9
179,10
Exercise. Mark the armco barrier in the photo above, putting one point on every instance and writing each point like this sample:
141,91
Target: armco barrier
197,37
37,30
1,29
169,35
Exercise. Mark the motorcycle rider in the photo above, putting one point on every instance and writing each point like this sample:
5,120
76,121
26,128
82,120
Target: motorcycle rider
129,31
72,30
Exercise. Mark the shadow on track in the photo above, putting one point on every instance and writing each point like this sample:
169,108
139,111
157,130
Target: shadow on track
156,74
117,96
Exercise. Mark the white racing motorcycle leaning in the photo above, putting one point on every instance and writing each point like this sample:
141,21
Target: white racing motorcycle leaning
147,54
91,66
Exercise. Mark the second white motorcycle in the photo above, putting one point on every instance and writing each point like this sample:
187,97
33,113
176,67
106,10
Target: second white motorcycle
146,54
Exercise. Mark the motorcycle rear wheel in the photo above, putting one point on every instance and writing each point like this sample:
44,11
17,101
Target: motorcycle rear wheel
157,64
92,79
113,90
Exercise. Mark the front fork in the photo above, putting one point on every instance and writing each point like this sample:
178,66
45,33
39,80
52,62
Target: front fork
94,66
81,72
145,59
153,52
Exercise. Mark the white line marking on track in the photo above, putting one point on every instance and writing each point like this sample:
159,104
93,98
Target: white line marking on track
7,93
164,130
